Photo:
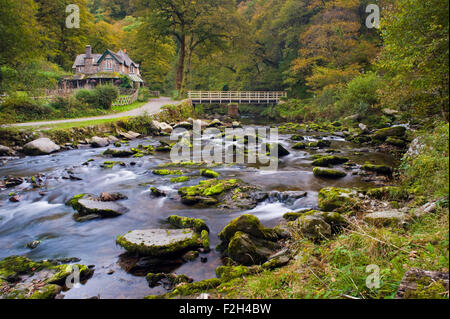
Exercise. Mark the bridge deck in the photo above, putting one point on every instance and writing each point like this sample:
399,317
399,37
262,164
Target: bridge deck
246,97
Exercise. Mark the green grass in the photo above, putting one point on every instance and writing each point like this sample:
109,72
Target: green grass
125,108
79,124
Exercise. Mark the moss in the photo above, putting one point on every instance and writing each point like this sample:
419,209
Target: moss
328,173
11,267
291,216
196,224
208,188
248,224
195,287
299,146
111,164
63,271
73,202
297,138
382,134
164,172
46,292
205,239
209,173
396,142
180,179
336,199
325,161
320,144
379,169
227,273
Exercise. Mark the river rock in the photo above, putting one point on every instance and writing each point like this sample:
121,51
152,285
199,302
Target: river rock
40,146
99,141
130,135
389,111
248,250
166,128
113,139
337,199
328,173
159,242
363,128
215,123
313,226
423,284
278,148
186,125
384,133
6,151
386,218
325,161
90,207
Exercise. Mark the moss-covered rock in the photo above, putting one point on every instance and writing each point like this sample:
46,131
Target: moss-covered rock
187,222
180,179
320,144
297,137
164,172
277,148
299,146
379,169
159,242
90,205
120,153
209,173
312,226
325,161
168,280
396,142
328,173
205,240
111,164
207,192
337,199
248,250
384,133
63,271
248,224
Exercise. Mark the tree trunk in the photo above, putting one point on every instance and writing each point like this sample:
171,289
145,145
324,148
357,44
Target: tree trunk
180,70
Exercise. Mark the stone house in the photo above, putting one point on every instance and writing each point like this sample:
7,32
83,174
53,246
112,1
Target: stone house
91,69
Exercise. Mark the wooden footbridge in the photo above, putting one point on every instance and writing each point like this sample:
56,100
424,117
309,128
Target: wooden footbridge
239,97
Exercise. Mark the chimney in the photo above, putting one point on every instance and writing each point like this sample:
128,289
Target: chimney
88,51
125,51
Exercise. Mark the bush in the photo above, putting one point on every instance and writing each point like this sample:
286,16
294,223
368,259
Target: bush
106,95
426,171
19,107
87,97
144,94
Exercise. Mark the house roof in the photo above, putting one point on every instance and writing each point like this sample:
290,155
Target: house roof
121,57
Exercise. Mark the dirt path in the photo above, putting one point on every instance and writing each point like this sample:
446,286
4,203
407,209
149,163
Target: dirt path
151,107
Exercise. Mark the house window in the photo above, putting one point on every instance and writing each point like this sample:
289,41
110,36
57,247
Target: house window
109,64
131,69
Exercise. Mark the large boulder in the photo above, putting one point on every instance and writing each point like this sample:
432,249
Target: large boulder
166,128
248,250
160,242
41,146
337,199
325,161
248,224
99,141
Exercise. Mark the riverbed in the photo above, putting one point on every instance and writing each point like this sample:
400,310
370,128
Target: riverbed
42,215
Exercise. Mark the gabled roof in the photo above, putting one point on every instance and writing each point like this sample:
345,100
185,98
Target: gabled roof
79,60
121,57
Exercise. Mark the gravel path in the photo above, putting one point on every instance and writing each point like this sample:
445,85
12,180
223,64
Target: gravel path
151,107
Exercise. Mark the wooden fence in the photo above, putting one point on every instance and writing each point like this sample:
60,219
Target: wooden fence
126,99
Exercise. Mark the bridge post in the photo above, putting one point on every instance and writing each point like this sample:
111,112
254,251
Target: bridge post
233,110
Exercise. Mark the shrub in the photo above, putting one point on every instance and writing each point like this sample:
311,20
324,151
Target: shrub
21,108
144,94
106,95
426,170
87,97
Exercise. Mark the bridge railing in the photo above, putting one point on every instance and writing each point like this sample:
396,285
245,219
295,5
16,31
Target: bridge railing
236,96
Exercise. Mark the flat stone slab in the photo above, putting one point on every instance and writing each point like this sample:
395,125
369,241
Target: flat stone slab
386,218
104,209
157,242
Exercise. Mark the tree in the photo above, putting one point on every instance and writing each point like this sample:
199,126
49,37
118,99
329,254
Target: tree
193,24
415,55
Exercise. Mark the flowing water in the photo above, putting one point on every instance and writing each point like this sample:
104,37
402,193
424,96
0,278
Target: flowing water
42,215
